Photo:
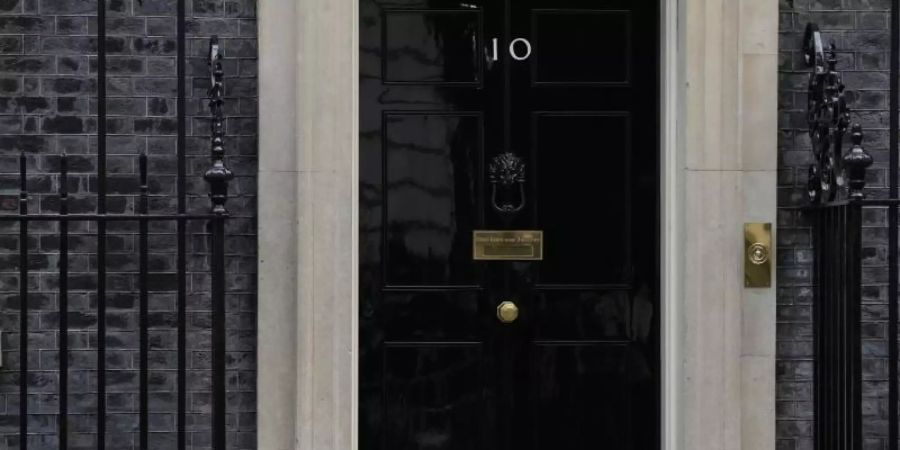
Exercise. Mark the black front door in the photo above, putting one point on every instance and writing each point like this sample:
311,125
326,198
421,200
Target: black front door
569,88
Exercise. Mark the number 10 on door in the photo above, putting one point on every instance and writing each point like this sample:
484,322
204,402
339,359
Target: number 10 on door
519,49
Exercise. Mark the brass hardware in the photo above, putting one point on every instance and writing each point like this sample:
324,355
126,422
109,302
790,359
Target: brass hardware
758,255
507,245
507,312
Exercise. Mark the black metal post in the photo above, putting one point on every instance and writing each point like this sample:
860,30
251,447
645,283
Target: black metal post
143,301
832,324
218,177
23,303
101,225
839,298
854,317
181,258
218,333
893,238
857,372
63,336
817,333
857,161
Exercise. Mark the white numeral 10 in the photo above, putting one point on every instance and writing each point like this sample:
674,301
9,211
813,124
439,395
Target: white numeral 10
514,49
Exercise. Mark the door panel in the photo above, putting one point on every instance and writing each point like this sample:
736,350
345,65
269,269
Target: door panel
583,199
432,46
574,315
579,368
433,181
583,401
432,316
575,46
434,397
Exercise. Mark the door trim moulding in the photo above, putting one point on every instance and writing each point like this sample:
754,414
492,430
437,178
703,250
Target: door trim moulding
670,202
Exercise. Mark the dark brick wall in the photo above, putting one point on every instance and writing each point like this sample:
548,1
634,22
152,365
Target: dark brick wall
860,30
48,86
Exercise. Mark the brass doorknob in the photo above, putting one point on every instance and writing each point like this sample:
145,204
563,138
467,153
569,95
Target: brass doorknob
507,312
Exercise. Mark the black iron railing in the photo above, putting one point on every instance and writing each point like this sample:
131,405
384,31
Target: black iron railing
836,326
836,186
218,177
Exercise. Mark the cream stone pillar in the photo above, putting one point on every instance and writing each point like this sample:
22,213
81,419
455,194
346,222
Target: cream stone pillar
719,132
279,178
726,333
308,224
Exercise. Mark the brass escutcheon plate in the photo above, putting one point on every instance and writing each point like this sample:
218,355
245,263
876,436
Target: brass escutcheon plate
508,245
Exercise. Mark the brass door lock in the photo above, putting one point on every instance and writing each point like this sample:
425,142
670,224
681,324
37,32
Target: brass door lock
758,255
507,312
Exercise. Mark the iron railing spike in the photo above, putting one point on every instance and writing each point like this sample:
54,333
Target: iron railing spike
857,162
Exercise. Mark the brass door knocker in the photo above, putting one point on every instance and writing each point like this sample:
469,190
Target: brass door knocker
507,170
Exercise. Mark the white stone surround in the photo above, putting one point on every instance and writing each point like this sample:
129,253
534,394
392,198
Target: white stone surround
719,134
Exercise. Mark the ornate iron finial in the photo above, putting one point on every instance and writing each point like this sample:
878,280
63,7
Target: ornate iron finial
828,117
143,200
63,184
812,46
507,170
856,162
218,175
23,183
832,56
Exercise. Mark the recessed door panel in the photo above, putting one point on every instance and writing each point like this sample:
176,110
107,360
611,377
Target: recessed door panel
432,46
574,46
581,397
433,315
432,194
583,183
589,314
434,397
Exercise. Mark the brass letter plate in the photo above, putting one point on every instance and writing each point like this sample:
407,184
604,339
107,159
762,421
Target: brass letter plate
503,245
758,255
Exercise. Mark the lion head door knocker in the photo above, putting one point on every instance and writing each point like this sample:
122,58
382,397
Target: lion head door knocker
507,176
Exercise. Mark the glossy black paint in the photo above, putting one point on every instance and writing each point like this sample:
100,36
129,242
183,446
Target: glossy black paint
580,367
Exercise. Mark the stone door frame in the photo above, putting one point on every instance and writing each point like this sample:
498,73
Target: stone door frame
719,164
